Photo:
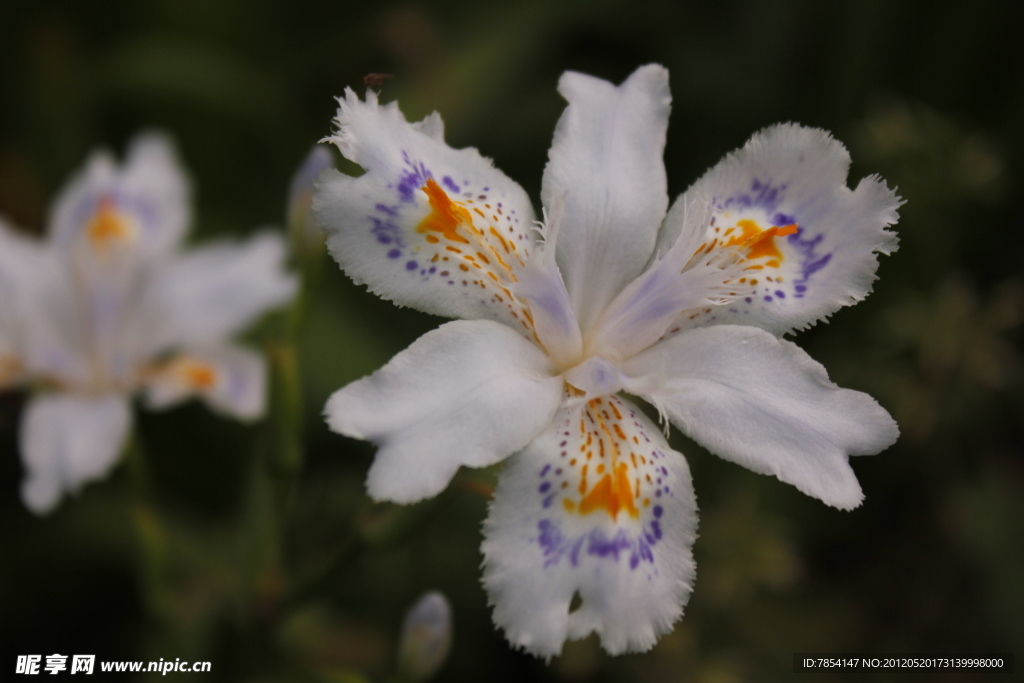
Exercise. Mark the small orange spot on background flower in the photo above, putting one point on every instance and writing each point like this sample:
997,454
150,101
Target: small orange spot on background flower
199,375
108,225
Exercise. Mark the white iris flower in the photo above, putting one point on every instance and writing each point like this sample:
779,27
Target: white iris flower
684,309
109,304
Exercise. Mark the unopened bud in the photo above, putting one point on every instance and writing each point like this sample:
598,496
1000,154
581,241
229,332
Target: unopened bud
305,233
426,637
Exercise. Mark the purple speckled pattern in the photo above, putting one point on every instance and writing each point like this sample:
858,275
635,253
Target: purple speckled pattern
762,195
811,261
412,178
386,219
782,285
598,543
477,254
386,230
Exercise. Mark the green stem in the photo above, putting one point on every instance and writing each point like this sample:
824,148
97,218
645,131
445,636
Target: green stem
153,546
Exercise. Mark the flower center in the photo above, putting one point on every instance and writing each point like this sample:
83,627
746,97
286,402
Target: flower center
595,377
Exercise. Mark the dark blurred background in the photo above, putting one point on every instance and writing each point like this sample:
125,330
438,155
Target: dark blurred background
311,586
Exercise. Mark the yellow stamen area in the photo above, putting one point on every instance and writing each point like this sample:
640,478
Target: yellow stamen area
445,216
108,225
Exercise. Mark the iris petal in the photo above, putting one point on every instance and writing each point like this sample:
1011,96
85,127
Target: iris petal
598,507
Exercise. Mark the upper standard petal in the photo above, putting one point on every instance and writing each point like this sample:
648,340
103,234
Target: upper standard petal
468,393
606,159
763,403
810,242
426,226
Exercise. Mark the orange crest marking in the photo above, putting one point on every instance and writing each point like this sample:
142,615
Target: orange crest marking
108,225
445,216
760,243
200,375
611,495
189,373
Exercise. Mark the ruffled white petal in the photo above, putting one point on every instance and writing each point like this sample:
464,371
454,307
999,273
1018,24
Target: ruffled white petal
468,393
67,441
209,293
231,379
822,255
765,404
606,159
598,506
426,226
146,200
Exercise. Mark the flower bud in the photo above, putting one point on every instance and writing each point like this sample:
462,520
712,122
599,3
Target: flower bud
426,637
305,233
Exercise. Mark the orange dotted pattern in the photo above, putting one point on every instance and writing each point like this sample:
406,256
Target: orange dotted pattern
606,464
469,249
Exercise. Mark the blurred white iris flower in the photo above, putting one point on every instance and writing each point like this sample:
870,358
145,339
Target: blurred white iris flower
109,304
594,516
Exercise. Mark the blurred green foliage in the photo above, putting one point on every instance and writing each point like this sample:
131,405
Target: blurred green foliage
256,548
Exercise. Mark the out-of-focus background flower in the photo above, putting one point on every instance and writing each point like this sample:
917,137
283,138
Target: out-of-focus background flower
228,561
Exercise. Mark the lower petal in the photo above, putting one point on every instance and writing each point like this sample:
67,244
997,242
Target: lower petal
597,507
468,393
67,441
